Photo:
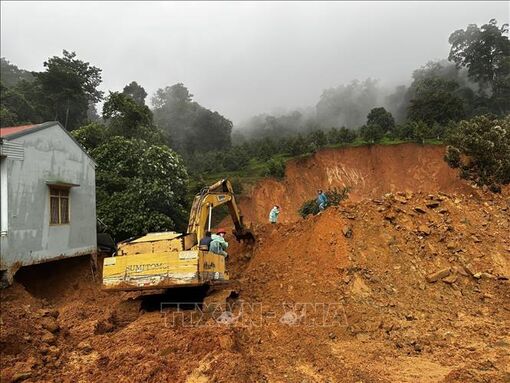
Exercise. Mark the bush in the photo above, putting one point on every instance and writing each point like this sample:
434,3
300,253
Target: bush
91,135
297,145
334,195
235,159
480,149
371,133
275,168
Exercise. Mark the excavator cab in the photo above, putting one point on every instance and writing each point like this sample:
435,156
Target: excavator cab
169,259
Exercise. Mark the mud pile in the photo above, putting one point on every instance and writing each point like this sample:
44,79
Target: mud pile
74,332
416,286
408,286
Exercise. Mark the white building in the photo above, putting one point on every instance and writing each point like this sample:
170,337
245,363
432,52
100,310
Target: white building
47,197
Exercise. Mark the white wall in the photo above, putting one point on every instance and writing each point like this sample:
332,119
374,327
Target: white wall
49,154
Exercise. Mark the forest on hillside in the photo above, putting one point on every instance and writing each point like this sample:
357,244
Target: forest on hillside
171,146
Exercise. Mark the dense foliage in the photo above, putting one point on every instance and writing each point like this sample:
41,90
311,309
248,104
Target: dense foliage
136,92
141,183
141,187
485,52
480,149
276,168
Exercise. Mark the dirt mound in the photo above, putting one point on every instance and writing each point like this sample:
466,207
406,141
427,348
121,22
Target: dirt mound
370,171
399,287
408,287
61,327
418,282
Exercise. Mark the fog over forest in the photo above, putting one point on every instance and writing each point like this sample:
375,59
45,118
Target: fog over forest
302,63
347,105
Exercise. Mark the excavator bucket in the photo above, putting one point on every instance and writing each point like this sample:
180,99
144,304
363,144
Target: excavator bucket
244,235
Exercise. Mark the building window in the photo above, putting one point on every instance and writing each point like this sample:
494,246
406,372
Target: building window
59,206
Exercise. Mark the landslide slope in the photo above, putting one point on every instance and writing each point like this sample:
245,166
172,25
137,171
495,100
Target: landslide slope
407,286
350,295
416,286
370,171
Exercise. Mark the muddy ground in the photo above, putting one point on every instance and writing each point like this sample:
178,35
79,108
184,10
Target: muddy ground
400,286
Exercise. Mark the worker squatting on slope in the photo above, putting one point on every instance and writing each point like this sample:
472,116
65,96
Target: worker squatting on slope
218,244
322,200
273,214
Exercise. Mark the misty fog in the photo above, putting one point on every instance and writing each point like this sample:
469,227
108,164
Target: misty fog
320,63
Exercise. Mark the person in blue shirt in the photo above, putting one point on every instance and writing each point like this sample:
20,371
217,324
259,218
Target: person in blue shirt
273,214
322,200
206,241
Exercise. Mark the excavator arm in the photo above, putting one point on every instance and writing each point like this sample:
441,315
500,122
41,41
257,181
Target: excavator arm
211,197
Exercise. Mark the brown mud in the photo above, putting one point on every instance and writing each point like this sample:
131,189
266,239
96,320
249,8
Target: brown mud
405,282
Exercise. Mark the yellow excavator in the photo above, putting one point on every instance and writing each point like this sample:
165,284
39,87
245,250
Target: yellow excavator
169,259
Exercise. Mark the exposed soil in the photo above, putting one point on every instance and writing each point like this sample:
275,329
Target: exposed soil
409,286
369,172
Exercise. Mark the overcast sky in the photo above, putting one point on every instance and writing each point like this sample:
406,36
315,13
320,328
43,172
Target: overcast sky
241,58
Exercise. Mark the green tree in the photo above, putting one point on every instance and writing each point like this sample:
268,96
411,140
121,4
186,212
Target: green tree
341,136
317,139
485,52
480,149
381,117
404,131
136,92
275,168
64,90
210,131
420,131
11,75
91,136
125,117
371,133
15,108
235,159
140,187
435,101
190,126
297,145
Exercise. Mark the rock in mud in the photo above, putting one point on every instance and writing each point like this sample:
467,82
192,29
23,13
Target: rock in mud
54,351
390,216
424,229
434,277
400,199
450,279
21,376
50,324
347,231
432,204
84,346
419,209
49,338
